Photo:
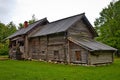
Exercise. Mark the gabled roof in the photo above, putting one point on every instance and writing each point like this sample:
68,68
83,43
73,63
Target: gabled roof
59,26
25,30
91,44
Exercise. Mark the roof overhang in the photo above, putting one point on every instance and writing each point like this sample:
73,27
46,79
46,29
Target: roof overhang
92,45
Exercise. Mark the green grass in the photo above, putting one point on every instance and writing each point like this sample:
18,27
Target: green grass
34,70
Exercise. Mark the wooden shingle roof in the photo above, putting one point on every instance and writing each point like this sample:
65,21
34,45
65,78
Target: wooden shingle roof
61,25
91,44
25,30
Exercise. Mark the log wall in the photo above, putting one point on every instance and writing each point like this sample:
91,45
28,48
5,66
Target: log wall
34,48
56,47
79,30
47,47
101,57
73,49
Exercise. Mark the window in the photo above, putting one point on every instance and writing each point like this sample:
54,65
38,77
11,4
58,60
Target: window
56,54
43,52
78,55
21,43
14,43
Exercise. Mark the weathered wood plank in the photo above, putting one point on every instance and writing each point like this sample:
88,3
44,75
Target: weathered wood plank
101,57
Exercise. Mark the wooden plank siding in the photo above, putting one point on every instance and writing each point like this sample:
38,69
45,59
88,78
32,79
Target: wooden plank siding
56,43
68,40
34,48
79,30
83,55
45,46
101,57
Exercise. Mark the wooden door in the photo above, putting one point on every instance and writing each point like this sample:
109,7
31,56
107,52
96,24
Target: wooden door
78,55
56,55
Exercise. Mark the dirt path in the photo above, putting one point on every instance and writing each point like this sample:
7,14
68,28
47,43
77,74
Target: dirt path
4,58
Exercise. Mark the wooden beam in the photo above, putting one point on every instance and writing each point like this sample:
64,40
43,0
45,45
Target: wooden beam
47,48
26,47
68,52
89,61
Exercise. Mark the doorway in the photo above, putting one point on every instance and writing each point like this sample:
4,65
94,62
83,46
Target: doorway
56,55
78,55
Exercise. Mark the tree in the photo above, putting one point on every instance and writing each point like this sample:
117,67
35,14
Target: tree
33,19
11,28
21,25
108,25
5,31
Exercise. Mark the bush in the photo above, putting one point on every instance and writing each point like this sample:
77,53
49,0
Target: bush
4,48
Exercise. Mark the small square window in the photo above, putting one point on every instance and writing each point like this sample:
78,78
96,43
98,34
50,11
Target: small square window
56,53
43,52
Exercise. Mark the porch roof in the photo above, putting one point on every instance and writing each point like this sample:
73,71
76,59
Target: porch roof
91,44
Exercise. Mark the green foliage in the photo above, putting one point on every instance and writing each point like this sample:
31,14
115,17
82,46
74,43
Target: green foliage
11,28
32,20
34,70
108,25
4,48
21,25
5,31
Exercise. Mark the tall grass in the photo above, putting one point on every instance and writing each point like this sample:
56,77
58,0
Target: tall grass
33,70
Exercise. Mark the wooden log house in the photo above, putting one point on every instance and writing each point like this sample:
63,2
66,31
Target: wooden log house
68,40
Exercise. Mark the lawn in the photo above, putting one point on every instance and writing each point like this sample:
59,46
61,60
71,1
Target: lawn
34,70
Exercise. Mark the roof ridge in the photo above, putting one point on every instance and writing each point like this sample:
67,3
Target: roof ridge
59,25
38,20
67,18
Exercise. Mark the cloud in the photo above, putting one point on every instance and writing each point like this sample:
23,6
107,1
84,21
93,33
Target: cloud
6,9
21,10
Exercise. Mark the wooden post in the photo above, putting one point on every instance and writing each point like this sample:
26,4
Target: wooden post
39,48
89,61
47,48
67,56
87,57
65,53
68,53
26,47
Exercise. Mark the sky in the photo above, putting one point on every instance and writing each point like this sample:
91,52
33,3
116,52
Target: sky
19,11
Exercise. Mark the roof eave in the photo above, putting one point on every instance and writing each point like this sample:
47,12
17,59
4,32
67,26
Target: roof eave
44,19
47,34
103,50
